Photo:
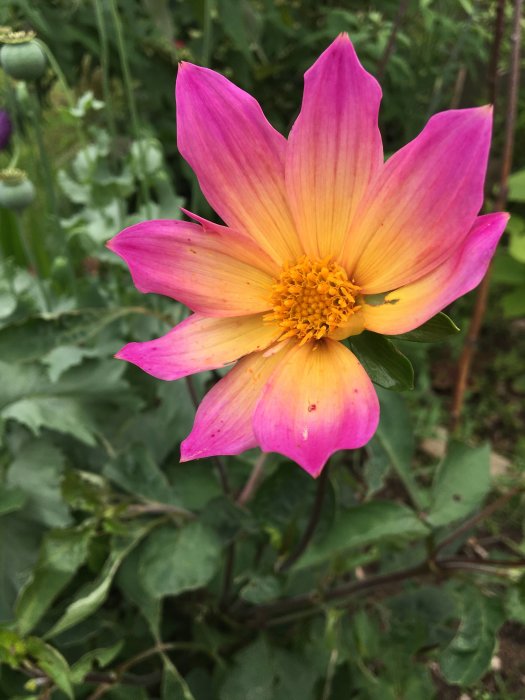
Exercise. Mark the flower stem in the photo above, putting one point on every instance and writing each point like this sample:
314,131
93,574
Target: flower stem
128,87
32,262
482,294
312,523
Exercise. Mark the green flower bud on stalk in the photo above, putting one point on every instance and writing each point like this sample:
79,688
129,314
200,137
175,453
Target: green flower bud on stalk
21,57
16,191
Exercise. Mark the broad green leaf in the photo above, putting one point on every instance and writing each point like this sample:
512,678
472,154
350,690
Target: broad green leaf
63,357
174,687
131,585
62,553
516,229
514,302
176,560
19,544
51,661
11,499
261,589
439,327
55,413
261,672
363,525
394,441
467,657
383,362
98,658
37,471
516,186
461,484
507,270
94,595
138,473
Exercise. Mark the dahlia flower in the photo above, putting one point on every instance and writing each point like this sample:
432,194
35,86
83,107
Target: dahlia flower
323,239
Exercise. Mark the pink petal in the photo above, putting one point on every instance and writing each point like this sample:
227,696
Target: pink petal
423,205
200,343
223,424
212,273
253,254
410,306
237,156
334,148
318,400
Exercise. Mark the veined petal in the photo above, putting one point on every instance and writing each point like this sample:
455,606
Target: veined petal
424,203
410,306
238,158
318,400
200,343
212,273
252,253
334,148
223,423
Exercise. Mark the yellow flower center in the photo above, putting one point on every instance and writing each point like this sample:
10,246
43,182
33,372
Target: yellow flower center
311,299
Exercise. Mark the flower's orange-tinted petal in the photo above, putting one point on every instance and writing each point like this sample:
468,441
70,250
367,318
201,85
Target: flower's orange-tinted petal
211,272
334,148
238,158
410,306
223,424
422,206
200,343
318,400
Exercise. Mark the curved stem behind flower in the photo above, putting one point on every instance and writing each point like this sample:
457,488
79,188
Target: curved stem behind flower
312,523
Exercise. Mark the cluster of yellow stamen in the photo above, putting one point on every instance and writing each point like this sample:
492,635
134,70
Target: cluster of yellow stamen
311,299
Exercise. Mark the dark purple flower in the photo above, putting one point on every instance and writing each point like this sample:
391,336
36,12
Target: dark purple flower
5,129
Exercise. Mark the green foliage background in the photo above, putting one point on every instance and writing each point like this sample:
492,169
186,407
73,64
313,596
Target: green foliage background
126,575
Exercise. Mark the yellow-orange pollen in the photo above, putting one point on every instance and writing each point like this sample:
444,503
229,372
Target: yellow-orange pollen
311,299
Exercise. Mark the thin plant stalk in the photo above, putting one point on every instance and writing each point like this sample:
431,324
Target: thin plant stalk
32,262
482,294
104,61
128,87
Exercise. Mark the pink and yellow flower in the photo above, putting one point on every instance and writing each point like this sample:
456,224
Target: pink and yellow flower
315,224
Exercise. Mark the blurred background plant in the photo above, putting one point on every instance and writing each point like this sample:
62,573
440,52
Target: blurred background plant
124,574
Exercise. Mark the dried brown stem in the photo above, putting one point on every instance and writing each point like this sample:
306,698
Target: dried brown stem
480,305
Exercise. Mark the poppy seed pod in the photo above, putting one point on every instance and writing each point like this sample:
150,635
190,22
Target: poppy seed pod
21,57
5,129
16,191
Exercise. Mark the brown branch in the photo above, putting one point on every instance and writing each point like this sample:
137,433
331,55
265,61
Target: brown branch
389,48
480,305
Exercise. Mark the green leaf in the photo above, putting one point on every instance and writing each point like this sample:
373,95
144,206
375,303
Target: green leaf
37,471
516,229
62,553
63,357
132,587
383,362
461,484
98,658
514,303
94,595
19,544
261,589
11,499
174,687
394,442
52,663
364,525
176,560
261,672
468,656
439,327
516,186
